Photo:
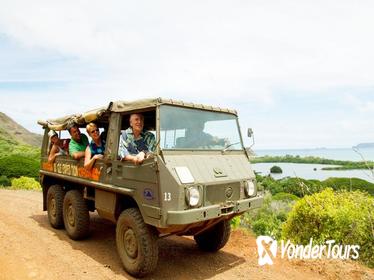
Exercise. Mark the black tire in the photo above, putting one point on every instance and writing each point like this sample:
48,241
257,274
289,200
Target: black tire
55,201
136,243
76,216
215,237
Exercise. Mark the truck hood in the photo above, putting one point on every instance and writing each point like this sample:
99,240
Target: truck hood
207,169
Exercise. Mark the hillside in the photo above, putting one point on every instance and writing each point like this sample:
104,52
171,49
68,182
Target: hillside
19,151
12,132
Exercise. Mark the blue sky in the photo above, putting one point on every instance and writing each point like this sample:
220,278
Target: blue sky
300,73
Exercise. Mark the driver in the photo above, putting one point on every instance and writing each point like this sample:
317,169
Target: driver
196,137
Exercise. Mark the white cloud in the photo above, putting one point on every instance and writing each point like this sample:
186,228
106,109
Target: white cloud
239,54
299,44
360,104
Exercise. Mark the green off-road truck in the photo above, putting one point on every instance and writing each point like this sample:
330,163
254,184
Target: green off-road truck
197,180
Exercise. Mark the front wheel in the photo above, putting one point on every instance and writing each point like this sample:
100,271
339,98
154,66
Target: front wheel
136,243
215,237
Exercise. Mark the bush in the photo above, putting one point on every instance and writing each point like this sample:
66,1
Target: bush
285,196
269,184
4,181
296,186
350,184
276,169
300,187
17,165
346,217
25,183
268,219
235,222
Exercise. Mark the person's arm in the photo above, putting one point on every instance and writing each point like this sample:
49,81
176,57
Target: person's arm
53,154
124,154
78,155
88,161
74,151
138,159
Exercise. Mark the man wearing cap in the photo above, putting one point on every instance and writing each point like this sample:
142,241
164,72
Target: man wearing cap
78,142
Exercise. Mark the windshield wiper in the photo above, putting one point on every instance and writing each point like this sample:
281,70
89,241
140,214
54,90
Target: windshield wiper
228,146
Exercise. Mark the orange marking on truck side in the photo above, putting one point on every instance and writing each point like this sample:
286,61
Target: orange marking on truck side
47,166
93,174
72,170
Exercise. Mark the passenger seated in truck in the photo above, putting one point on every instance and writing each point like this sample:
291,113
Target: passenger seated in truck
195,137
136,144
78,142
57,147
95,150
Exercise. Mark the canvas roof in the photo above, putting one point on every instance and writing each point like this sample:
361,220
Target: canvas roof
122,106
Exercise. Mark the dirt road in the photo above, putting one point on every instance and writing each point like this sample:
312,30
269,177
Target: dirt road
31,249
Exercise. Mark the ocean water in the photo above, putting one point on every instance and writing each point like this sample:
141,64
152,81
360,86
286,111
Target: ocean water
338,154
314,171
311,171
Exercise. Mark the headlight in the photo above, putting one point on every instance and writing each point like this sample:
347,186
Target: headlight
193,196
250,188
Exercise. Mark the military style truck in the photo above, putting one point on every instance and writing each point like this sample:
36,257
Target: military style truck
197,180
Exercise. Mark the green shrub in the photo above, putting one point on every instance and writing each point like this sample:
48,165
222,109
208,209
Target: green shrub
296,186
350,184
25,183
269,184
235,222
285,196
300,187
276,169
4,181
17,165
267,225
268,219
346,217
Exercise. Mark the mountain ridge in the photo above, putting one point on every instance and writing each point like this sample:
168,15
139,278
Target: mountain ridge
12,132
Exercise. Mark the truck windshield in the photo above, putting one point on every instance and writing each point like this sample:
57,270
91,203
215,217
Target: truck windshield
184,128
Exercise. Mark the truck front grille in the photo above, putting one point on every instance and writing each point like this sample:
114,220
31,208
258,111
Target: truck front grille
217,194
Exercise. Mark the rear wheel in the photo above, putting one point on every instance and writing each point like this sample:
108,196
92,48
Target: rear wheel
55,201
215,237
136,243
76,216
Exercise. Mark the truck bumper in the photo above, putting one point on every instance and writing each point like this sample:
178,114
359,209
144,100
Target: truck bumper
212,212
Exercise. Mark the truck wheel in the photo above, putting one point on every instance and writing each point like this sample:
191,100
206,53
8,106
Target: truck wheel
76,216
55,200
136,243
214,238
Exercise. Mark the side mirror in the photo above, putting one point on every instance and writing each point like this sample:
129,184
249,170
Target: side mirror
250,132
